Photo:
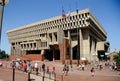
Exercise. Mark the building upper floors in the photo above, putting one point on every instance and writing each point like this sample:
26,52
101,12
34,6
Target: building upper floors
52,31
39,30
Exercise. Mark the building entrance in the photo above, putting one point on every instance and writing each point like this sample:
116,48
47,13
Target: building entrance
52,54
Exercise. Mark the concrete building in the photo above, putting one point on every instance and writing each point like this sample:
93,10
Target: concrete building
78,36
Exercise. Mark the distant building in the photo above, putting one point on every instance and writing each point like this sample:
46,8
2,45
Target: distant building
111,55
56,38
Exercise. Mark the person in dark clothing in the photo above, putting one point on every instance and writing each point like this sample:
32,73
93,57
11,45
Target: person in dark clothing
43,67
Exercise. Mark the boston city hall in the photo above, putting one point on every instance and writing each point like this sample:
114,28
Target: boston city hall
78,36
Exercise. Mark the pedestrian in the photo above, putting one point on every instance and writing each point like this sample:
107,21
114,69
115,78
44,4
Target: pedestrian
47,70
67,69
28,65
92,72
36,68
79,67
71,67
64,69
43,67
21,65
83,67
25,66
14,64
17,64
53,69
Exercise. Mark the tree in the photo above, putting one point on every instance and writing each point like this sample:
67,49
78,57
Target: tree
116,58
3,54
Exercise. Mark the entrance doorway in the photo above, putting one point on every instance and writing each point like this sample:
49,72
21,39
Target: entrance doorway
52,54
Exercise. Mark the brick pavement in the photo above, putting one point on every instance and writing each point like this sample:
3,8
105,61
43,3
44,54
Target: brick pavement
7,74
75,75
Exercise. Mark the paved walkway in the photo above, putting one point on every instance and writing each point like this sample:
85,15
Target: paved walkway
7,75
75,75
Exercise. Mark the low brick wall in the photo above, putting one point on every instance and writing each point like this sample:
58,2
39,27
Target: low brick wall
28,57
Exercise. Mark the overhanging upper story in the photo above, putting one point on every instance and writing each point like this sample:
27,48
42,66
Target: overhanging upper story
51,30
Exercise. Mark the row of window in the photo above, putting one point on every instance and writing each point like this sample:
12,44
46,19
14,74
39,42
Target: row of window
34,45
41,28
45,29
46,24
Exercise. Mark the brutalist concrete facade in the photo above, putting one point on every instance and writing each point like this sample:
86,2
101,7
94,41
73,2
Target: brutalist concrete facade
78,36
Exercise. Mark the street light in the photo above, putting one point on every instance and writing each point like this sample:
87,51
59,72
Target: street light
2,4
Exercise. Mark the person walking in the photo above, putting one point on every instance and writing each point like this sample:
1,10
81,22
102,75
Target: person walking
67,69
36,68
43,67
25,66
28,65
92,72
53,70
83,67
64,69
47,70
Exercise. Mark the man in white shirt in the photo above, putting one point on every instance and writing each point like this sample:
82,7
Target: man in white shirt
36,68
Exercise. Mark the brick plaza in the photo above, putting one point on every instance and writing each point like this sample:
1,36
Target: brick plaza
76,75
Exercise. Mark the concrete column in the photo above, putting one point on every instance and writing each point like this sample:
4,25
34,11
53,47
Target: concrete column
29,46
11,51
24,52
70,42
53,37
37,44
32,45
80,43
92,49
16,53
19,49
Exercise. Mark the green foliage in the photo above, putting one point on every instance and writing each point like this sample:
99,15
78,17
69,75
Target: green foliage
3,54
116,58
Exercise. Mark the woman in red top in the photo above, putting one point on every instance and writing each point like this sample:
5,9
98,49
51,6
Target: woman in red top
25,66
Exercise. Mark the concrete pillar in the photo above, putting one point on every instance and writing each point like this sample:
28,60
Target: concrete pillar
53,37
16,52
80,43
11,51
70,44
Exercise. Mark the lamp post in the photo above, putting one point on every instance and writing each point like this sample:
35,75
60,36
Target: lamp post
2,4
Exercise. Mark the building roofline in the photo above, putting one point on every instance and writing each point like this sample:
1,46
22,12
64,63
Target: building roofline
58,17
96,20
49,19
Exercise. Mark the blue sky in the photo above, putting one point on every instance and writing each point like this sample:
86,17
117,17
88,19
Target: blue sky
21,12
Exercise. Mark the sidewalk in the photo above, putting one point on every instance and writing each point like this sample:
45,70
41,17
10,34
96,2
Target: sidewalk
105,75
38,78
